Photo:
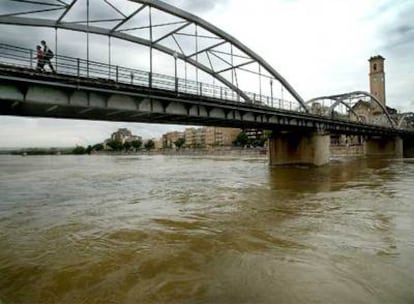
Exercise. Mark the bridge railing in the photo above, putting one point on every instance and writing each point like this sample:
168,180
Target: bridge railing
98,71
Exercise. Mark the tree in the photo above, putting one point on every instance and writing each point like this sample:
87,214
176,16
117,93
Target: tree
179,143
127,146
115,145
149,145
136,144
98,147
241,140
89,149
79,150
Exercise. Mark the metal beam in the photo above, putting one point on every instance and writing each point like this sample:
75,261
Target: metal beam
37,2
32,12
172,32
128,18
162,6
207,49
355,95
115,8
123,36
218,32
66,11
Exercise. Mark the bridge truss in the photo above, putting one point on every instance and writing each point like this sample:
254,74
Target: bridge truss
199,48
345,106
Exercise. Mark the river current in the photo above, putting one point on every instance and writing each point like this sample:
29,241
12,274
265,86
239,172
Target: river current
181,229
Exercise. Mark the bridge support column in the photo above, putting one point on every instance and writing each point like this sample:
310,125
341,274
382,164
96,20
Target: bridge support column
290,148
384,147
409,147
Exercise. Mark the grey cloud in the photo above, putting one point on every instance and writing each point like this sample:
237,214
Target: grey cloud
397,44
400,30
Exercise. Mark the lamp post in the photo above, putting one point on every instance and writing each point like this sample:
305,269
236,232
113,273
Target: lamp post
175,66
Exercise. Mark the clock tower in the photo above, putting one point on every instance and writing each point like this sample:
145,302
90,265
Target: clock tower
377,78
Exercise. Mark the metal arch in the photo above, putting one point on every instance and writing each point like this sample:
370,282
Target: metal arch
227,37
337,103
154,44
356,94
107,32
404,117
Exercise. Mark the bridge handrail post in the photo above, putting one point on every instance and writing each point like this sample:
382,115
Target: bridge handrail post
176,84
132,77
31,59
78,66
201,89
116,74
150,79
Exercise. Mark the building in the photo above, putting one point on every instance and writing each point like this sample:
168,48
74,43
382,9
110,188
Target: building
210,137
226,136
158,144
121,135
377,78
200,138
364,109
190,137
370,111
169,139
124,135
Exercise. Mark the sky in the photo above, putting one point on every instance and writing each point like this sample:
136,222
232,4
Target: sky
321,47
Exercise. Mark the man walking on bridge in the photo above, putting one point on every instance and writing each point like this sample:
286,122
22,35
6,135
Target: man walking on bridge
47,55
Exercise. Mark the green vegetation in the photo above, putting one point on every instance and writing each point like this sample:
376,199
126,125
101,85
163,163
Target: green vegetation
241,140
98,147
115,145
136,144
149,145
179,143
79,150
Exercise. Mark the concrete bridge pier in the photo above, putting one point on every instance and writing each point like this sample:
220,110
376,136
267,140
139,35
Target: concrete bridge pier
378,146
409,147
298,147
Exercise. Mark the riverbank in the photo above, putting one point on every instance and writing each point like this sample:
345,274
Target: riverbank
336,151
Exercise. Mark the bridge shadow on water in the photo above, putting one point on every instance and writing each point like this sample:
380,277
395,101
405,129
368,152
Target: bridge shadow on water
339,173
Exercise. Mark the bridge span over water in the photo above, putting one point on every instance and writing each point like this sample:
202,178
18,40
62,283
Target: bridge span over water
213,80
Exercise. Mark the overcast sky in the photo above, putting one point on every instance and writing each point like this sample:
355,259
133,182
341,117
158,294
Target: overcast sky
321,47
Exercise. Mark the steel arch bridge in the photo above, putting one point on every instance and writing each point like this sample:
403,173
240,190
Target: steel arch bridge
178,34
348,100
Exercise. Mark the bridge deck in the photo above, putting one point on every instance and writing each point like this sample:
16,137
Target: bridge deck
190,109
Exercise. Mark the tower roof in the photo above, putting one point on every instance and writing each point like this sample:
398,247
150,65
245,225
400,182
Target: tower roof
378,57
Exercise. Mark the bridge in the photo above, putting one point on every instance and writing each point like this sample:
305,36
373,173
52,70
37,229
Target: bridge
197,75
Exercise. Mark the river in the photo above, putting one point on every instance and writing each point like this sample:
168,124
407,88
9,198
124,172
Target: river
181,229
